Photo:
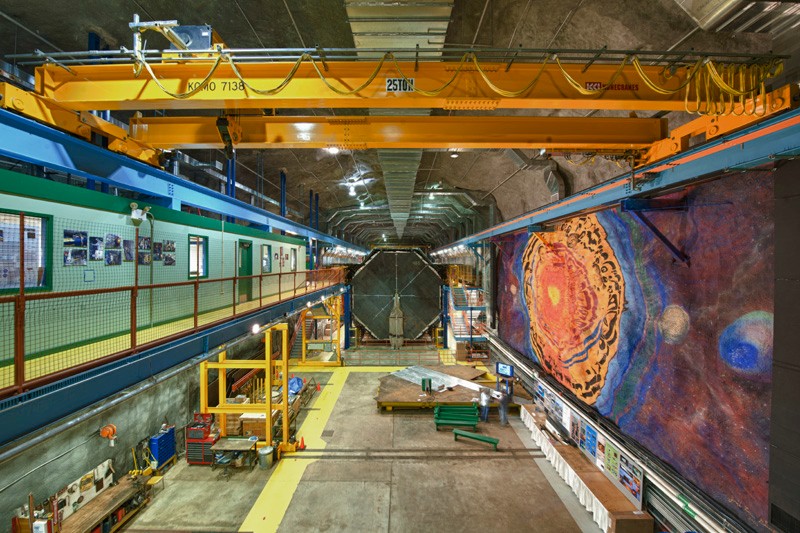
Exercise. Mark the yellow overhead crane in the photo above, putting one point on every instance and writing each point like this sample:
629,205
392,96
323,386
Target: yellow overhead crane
365,132
247,86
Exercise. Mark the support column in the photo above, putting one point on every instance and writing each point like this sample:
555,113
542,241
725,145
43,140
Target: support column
310,243
230,183
283,196
445,314
348,317
316,211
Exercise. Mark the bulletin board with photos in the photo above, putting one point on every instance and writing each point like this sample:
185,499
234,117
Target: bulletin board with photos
81,248
620,468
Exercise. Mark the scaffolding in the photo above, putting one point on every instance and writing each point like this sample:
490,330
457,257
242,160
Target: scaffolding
277,374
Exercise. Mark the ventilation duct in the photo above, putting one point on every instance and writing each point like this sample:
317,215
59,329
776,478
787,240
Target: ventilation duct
740,16
392,25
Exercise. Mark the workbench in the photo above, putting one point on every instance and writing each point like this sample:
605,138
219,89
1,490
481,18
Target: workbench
231,445
122,500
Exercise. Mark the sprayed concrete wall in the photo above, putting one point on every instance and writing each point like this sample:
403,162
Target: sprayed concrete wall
45,468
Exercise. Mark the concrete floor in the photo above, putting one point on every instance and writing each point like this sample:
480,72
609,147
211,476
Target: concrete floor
370,471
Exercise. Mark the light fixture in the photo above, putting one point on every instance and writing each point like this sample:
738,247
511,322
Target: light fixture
308,304
255,329
453,154
333,150
430,196
138,215
361,205
352,191
542,151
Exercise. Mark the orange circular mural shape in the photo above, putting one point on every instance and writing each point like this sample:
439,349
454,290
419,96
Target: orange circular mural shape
574,292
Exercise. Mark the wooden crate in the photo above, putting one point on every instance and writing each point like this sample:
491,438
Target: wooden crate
462,351
254,424
233,423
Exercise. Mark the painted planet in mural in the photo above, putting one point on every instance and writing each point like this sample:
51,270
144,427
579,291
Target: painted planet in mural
746,344
673,324
574,292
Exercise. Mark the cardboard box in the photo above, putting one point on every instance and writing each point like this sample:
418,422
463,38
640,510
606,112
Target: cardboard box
631,522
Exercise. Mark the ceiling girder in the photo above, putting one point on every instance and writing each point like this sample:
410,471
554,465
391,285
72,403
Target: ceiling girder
439,132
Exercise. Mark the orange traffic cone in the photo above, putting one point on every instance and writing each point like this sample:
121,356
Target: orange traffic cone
304,381
302,444
292,376
318,387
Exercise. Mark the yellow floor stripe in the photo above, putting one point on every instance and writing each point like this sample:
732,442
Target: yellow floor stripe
270,507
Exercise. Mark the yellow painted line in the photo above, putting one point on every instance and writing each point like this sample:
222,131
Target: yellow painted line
270,507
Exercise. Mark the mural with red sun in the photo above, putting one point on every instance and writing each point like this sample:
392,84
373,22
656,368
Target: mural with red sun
677,356
574,291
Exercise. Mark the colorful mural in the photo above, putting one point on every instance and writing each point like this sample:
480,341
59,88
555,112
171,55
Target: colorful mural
678,356
574,290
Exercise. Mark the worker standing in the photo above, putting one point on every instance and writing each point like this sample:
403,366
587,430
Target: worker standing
484,403
503,400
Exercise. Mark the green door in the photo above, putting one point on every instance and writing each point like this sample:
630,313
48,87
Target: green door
245,269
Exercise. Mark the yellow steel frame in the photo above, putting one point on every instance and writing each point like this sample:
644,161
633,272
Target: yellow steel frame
269,366
116,87
63,98
710,127
438,337
354,336
335,325
80,123
366,132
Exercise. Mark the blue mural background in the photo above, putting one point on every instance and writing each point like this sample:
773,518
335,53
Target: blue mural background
690,376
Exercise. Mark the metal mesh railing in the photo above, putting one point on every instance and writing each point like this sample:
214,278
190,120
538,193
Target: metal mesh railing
7,339
67,332
97,324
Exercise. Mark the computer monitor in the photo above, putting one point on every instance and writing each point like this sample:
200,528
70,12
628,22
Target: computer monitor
504,370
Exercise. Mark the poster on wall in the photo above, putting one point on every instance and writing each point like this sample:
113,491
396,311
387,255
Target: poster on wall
75,239
96,248
113,241
169,260
76,257
554,407
144,243
157,251
600,458
144,258
567,420
591,440
612,460
169,246
630,476
113,257
77,494
127,251
575,429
